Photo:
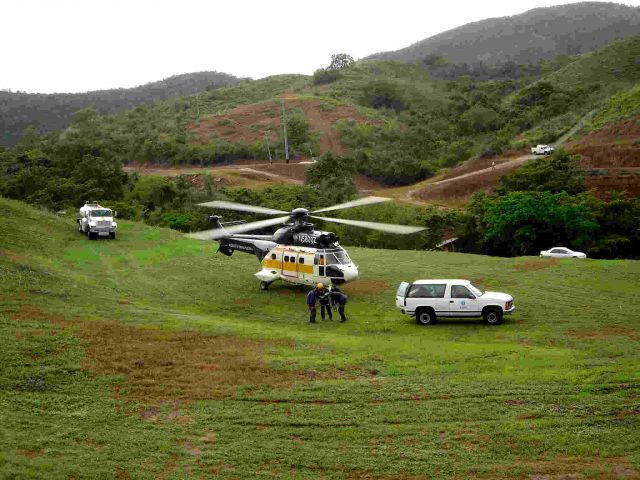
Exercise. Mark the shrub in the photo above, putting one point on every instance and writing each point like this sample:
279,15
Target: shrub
323,76
383,94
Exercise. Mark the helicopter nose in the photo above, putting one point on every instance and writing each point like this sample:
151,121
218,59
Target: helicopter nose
350,272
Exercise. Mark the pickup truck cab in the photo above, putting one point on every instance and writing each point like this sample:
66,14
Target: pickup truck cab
429,299
542,150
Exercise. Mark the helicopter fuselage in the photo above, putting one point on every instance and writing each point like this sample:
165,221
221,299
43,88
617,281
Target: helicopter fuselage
307,265
296,255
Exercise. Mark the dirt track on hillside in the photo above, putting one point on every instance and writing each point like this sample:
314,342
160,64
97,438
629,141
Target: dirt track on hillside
610,158
463,185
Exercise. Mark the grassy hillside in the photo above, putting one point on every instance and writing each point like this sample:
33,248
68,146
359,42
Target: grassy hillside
615,64
619,107
541,33
580,89
153,357
48,112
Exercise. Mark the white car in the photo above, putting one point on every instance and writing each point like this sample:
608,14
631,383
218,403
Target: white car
429,299
542,150
562,252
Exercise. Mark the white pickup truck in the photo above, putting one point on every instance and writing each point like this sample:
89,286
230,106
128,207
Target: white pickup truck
96,221
429,299
542,150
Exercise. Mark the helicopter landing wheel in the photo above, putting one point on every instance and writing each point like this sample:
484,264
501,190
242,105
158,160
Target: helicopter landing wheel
264,285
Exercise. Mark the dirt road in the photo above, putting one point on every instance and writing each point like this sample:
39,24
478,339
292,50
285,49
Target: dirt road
503,167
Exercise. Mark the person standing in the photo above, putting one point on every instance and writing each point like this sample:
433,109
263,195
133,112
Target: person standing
339,299
312,297
324,296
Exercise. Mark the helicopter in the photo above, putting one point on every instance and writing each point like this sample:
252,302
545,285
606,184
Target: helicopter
295,252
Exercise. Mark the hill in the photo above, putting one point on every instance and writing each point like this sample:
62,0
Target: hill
151,356
47,112
528,38
616,63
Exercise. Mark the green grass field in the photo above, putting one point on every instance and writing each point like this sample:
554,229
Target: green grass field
154,357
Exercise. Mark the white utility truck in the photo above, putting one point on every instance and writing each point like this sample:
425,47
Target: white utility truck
542,150
96,221
429,299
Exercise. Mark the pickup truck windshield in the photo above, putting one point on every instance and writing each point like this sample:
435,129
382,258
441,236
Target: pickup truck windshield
476,290
402,289
100,213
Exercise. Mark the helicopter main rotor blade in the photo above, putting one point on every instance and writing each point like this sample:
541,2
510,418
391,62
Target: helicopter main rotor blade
383,227
241,207
218,233
354,203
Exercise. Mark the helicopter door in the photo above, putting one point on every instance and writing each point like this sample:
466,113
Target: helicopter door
321,262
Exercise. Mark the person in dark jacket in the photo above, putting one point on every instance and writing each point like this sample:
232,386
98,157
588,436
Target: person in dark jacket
325,303
312,297
339,299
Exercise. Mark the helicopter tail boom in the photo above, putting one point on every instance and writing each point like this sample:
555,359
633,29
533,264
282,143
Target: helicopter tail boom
259,248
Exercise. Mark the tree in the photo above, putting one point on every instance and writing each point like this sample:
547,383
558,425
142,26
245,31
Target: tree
558,173
340,61
383,94
154,192
523,223
481,119
333,178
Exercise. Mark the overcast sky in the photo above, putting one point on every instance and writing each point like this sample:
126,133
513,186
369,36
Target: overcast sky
80,45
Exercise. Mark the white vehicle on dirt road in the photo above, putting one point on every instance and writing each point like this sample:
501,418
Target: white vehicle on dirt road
562,252
429,299
542,150
96,221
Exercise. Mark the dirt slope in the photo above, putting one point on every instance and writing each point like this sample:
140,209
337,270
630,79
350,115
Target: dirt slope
610,157
250,123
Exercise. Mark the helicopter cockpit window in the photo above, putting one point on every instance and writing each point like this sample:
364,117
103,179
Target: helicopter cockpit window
322,260
342,257
338,258
331,259
273,256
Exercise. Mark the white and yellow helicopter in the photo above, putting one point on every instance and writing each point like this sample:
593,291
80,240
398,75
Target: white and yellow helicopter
296,252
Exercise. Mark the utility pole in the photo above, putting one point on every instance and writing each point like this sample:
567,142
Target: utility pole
284,126
266,137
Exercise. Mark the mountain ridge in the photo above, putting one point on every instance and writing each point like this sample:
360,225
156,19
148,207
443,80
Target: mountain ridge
537,34
52,111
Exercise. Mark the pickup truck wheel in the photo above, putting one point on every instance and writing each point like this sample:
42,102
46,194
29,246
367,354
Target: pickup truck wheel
112,235
425,316
492,316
